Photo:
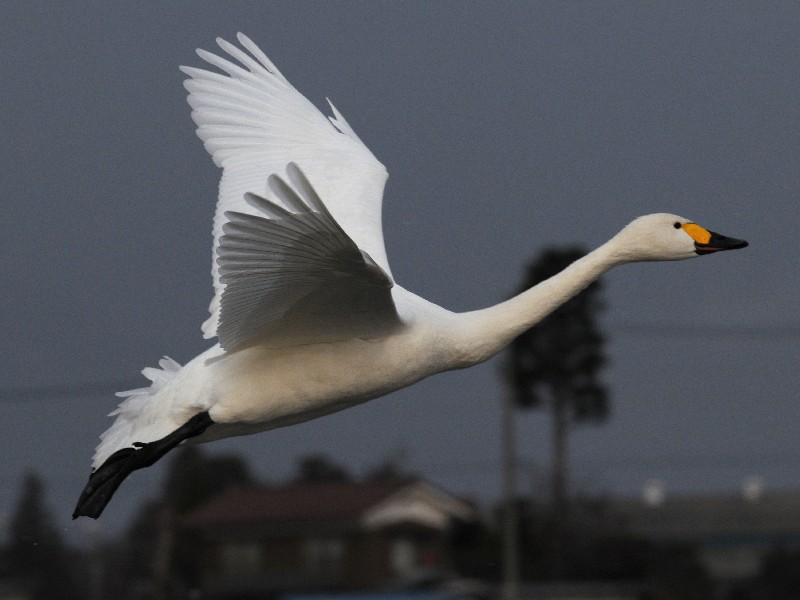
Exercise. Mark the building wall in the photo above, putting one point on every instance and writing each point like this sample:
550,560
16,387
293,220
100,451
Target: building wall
318,559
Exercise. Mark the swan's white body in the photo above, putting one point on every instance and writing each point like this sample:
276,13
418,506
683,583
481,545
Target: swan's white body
264,386
309,318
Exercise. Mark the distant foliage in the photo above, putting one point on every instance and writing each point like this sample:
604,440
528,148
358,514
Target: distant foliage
556,364
389,469
319,468
36,555
194,477
156,558
560,358
779,578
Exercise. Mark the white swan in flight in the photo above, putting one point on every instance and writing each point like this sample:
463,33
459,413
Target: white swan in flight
307,313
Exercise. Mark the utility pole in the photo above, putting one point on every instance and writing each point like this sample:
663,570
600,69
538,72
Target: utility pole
162,559
510,511
95,559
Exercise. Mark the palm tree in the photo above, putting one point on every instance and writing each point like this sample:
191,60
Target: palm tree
556,364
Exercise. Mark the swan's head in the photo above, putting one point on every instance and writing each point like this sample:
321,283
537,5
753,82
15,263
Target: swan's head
669,237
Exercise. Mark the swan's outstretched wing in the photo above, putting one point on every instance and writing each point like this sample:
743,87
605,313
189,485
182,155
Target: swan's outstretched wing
253,123
293,273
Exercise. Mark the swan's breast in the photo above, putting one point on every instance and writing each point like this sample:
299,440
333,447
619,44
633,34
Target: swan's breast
292,384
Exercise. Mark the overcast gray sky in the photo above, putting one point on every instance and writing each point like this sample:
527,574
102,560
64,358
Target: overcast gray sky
504,127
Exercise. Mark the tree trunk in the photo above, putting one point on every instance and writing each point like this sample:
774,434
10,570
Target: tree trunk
510,510
559,483
162,557
560,427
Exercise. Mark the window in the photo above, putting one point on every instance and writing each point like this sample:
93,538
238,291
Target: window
403,556
241,558
324,555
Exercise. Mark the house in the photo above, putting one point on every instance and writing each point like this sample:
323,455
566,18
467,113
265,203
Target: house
732,532
259,542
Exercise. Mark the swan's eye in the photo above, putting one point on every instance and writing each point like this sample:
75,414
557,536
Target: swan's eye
677,225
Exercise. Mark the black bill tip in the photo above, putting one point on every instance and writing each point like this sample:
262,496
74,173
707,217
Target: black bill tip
719,242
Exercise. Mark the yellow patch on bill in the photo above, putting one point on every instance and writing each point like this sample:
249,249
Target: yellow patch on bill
699,234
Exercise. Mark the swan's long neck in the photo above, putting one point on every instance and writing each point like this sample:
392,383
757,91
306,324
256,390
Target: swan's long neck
485,332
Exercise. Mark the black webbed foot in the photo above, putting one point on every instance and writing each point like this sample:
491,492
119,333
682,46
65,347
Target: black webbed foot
105,480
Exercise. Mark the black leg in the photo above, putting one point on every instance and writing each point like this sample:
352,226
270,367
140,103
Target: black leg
104,481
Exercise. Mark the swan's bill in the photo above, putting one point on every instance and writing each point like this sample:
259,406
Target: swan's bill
706,242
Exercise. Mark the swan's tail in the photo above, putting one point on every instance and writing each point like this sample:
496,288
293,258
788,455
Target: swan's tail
139,418
141,434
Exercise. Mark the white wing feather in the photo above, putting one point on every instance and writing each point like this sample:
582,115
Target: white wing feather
254,123
296,274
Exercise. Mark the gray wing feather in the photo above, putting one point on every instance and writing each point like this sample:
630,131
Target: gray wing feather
293,273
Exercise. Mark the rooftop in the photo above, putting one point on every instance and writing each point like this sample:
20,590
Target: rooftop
374,504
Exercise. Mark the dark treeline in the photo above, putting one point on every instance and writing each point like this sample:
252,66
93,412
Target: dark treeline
152,560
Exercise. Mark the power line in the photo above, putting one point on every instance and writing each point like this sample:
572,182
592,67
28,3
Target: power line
660,461
729,460
707,330
58,391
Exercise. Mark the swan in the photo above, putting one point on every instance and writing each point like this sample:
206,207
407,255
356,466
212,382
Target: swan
308,317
